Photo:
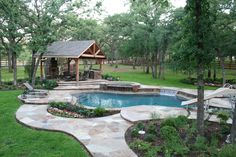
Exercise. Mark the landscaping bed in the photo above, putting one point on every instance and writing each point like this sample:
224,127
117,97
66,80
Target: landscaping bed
177,137
72,111
208,81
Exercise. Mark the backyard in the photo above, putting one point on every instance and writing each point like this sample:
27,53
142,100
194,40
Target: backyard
17,140
120,78
127,73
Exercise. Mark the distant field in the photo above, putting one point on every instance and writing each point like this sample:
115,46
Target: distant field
126,73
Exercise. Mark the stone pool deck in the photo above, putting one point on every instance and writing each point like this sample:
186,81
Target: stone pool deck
102,137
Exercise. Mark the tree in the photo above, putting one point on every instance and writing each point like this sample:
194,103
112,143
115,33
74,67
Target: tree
12,29
149,15
198,48
1,51
223,31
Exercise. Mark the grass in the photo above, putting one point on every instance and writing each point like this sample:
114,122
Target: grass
19,141
172,79
126,73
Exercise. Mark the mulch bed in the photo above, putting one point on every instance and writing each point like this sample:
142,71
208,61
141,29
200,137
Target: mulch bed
211,128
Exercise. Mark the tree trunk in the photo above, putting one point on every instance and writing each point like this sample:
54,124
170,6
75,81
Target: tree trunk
161,67
147,66
209,73
214,75
134,63
0,68
35,70
233,128
200,69
154,66
33,60
222,65
200,100
14,64
9,62
230,61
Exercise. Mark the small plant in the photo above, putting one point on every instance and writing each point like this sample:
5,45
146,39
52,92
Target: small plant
200,143
140,126
134,132
50,84
99,111
152,152
140,145
225,129
228,151
181,121
223,116
168,122
59,105
169,133
155,115
152,129
150,137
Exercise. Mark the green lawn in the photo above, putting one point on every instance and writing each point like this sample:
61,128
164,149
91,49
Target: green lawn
126,73
6,76
17,140
172,79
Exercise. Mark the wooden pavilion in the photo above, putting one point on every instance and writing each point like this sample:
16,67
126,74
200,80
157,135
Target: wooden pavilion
70,51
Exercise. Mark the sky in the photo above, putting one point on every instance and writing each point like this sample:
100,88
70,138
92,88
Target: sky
120,6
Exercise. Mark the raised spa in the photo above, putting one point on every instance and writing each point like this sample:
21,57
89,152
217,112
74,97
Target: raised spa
118,100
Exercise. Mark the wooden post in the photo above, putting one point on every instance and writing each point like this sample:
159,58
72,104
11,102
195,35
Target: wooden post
101,62
68,64
41,69
77,69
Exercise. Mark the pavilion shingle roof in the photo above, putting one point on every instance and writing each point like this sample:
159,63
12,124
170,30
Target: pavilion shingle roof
70,49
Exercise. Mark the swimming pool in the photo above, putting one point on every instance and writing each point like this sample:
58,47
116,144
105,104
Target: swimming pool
118,100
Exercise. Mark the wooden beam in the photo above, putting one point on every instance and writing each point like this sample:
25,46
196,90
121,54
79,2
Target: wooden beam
87,55
77,69
68,65
97,52
99,56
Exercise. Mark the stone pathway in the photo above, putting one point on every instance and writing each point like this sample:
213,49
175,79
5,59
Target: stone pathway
103,137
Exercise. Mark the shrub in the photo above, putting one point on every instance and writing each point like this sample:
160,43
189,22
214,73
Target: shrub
154,115
140,126
224,129
228,151
169,133
152,129
152,152
99,111
223,116
50,84
134,132
150,137
200,143
181,121
178,122
168,122
59,105
140,145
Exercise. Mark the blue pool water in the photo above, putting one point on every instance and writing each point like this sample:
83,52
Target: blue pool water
114,100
